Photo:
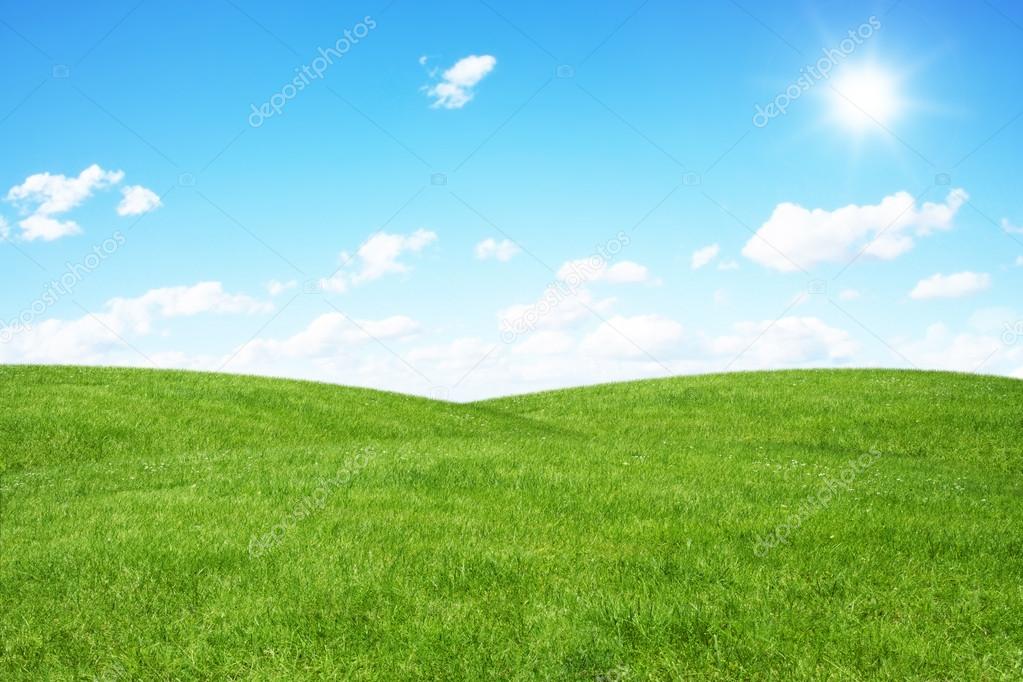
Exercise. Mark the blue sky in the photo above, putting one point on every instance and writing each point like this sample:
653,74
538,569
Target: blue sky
873,223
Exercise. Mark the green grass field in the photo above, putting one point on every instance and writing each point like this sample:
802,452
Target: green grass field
785,525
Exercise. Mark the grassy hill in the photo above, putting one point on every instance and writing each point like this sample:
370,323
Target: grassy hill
786,525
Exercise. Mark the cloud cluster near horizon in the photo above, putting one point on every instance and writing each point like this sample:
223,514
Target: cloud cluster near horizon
576,336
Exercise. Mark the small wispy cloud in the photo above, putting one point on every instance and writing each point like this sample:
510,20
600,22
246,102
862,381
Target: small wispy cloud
455,88
599,270
137,200
378,256
503,250
276,287
1010,228
951,286
702,257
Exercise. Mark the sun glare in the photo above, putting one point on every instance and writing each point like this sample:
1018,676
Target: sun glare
865,97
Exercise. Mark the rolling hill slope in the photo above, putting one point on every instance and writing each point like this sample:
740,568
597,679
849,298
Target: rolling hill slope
785,525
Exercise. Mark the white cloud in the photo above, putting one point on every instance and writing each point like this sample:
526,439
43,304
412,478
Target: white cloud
332,347
704,256
632,337
54,194
43,196
558,307
275,287
503,250
80,341
951,286
137,200
991,344
89,338
138,313
455,89
596,269
457,356
545,343
848,295
626,271
329,349
966,352
788,342
795,236
329,334
1010,228
378,256
394,327
5,228
1000,322
38,226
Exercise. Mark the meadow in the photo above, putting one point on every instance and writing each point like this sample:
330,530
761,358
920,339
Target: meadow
819,524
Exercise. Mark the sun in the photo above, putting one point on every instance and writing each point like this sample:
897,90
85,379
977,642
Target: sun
864,97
